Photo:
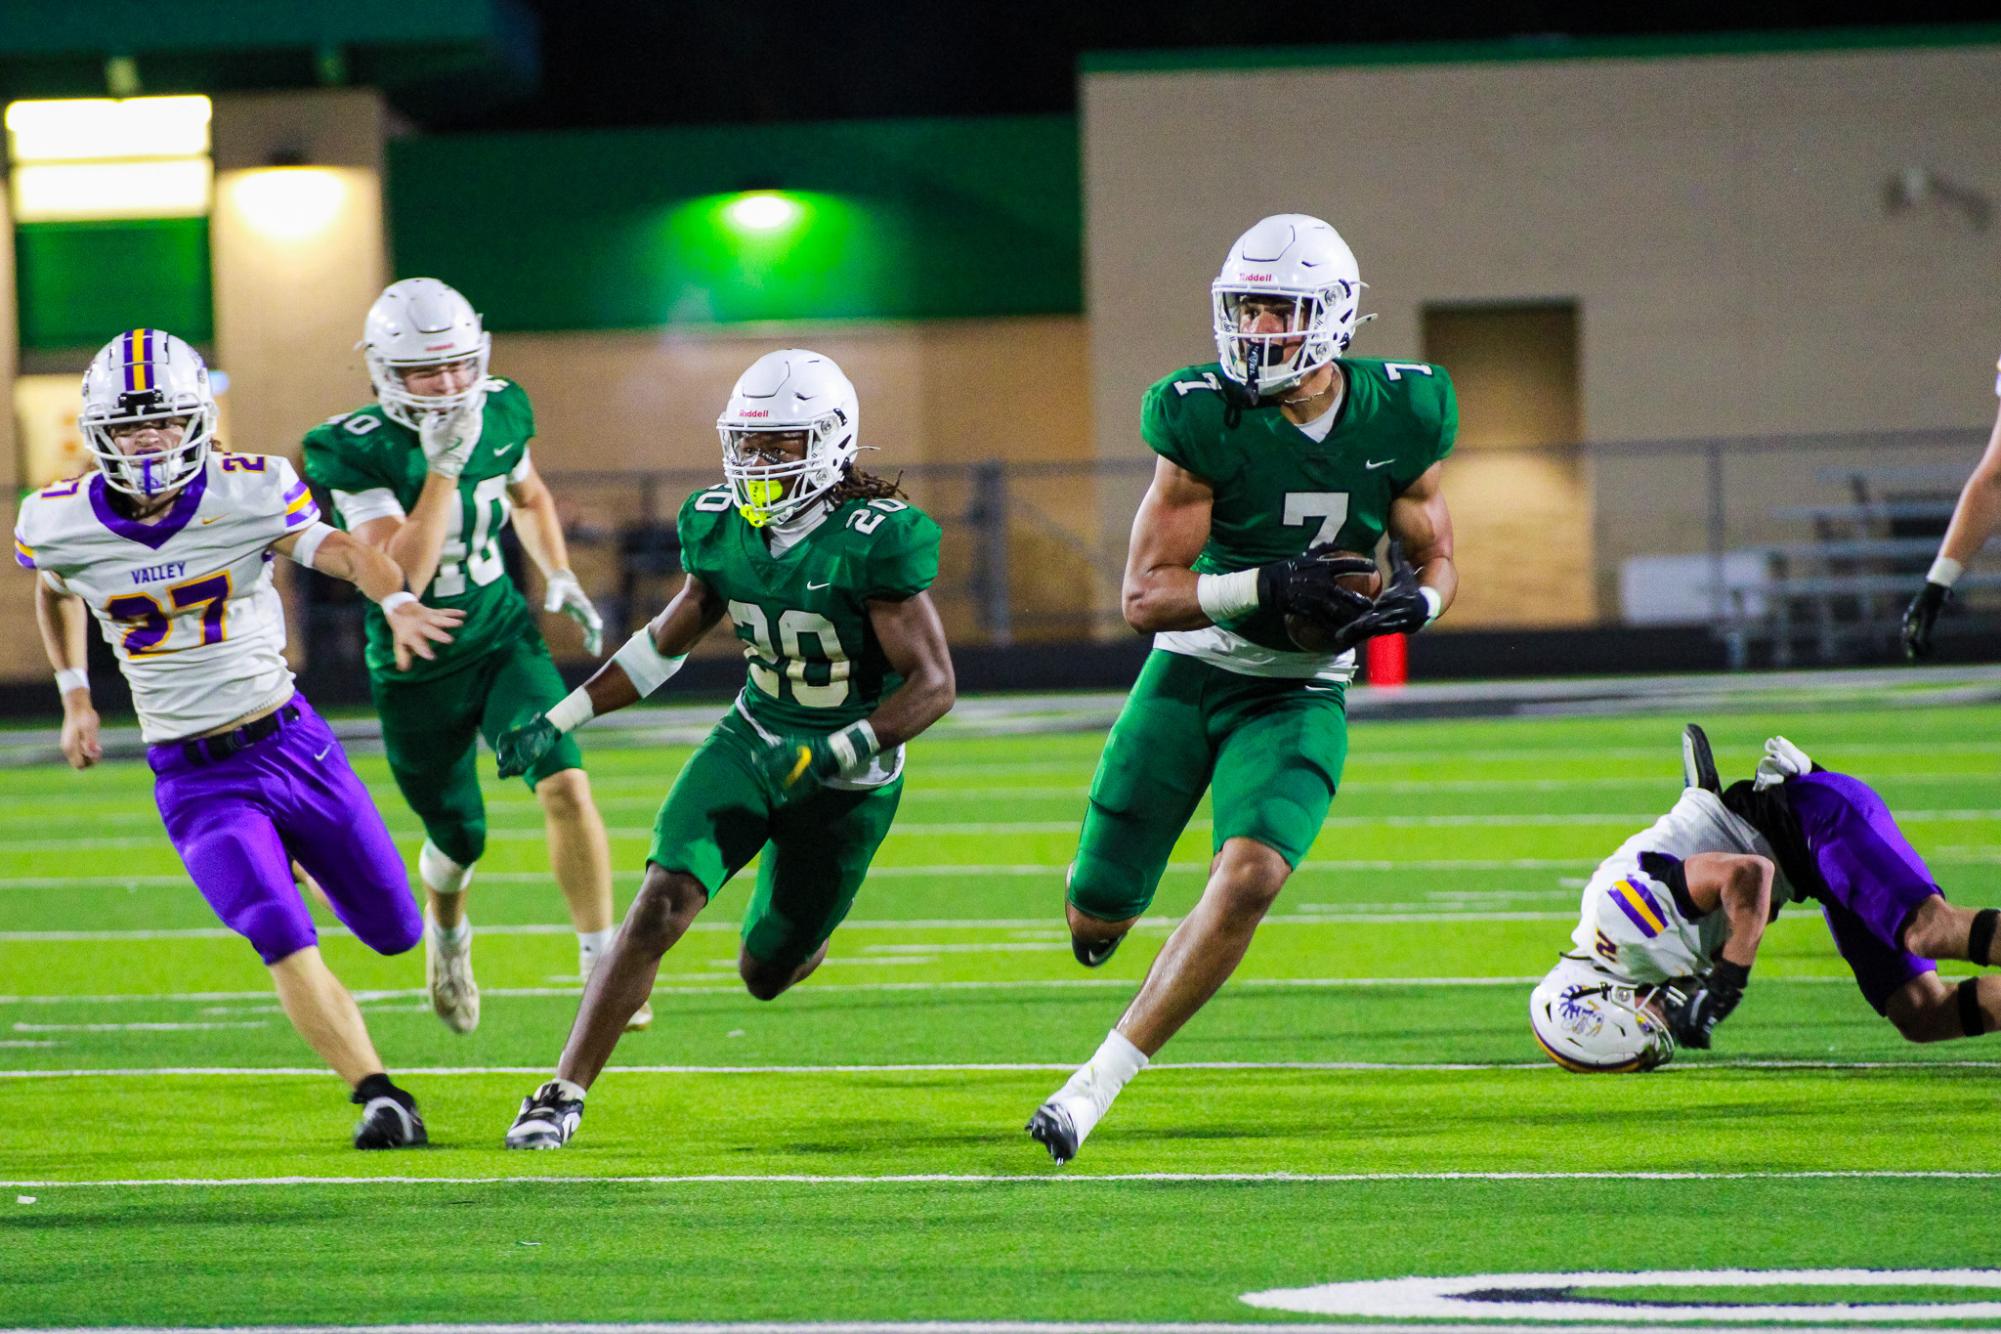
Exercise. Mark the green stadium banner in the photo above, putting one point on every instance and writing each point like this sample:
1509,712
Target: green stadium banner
81,282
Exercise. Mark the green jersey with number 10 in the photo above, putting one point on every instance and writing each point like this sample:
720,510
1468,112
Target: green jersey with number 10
1279,491
374,468
815,662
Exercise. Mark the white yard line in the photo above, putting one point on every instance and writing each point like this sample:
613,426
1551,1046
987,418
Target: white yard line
993,1067
1038,1178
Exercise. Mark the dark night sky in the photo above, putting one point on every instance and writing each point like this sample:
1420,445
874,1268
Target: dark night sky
641,62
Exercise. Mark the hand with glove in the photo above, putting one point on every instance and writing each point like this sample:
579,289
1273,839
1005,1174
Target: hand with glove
1312,592
1401,609
519,749
1694,1006
1920,615
563,593
813,759
448,438
1782,760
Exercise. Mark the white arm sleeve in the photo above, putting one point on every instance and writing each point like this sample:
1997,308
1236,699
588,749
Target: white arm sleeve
358,507
309,542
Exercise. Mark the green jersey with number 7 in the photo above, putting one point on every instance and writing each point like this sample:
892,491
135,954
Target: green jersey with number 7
1278,490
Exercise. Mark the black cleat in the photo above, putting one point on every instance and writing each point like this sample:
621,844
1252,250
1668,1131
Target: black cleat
389,1121
1052,1128
1698,766
547,1119
1094,953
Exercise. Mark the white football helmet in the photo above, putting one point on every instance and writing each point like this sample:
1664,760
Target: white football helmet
1301,258
1593,1024
147,375
420,322
792,390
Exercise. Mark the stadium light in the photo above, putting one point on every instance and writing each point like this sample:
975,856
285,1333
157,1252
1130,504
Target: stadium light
762,211
79,191
103,128
287,203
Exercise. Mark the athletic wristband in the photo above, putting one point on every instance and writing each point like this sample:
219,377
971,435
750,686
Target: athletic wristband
1945,572
572,711
646,666
1224,597
72,678
854,745
1434,602
1730,974
309,542
396,599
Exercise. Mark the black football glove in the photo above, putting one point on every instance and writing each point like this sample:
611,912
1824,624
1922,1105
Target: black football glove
1309,585
519,748
1695,1006
1400,610
1918,618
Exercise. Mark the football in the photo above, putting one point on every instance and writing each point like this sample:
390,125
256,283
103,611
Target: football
1313,637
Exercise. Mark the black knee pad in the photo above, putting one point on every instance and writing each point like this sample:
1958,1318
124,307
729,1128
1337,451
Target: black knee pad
1980,941
1971,1021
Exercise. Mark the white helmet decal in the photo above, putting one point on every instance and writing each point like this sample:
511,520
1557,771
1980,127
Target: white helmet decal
792,390
422,322
1301,259
1591,1023
140,376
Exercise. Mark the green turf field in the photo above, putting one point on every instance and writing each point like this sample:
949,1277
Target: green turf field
1362,1102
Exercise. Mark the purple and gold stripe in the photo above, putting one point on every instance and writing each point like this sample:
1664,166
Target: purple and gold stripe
139,375
301,511
24,553
1641,906
292,496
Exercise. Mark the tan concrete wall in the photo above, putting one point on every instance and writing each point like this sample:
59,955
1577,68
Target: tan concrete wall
1719,220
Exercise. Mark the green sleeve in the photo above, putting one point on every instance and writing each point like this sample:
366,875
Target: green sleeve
903,557
1434,415
693,527
1163,425
338,460
521,412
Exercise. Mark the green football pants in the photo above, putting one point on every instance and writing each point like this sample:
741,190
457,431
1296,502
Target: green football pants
1271,749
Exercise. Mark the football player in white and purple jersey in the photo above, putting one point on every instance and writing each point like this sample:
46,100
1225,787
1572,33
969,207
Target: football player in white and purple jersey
169,543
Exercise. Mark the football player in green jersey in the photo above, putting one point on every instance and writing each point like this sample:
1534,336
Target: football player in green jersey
430,473
822,570
1274,461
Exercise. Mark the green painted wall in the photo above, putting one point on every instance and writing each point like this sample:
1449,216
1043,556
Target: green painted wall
904,219
80,283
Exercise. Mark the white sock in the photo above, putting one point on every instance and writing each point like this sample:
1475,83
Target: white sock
1089,1093
450,938
591,946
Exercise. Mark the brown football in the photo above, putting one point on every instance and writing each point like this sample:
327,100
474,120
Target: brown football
1315,638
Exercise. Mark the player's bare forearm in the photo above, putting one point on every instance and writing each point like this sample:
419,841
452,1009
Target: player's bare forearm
1169,532
60,618
1739,885
692,613
1978,513
1422,524
537,525
913,639
416,541
372,571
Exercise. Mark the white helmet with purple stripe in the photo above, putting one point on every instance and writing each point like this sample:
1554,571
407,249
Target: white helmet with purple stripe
1591,1023
141,377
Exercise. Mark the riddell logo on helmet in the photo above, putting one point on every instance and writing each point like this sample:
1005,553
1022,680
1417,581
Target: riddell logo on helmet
754,412
1254,277
437,347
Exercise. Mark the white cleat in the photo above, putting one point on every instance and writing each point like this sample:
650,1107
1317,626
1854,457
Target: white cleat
448,977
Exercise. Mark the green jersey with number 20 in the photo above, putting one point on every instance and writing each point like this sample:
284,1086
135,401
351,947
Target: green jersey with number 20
815,662
375,468
1279,491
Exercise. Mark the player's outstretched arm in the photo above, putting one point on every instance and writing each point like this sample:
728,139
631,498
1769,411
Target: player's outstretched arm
641,666
1162,592
60,618
413,627
417,540
1974,519
540,529
1740,887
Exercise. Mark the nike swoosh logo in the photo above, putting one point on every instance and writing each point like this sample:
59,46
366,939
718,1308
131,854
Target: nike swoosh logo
811,587
1374,464
211,519
323,754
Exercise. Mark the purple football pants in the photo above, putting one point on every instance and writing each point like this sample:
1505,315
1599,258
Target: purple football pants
1875,879
239,822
